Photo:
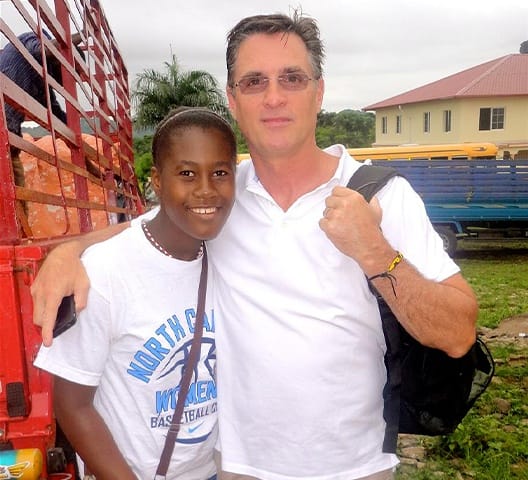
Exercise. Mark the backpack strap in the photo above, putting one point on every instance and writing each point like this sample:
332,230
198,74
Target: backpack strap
393,365
369,180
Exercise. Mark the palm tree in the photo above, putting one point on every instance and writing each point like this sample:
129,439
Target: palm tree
156,93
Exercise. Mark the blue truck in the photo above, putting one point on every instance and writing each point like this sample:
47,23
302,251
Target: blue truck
470,198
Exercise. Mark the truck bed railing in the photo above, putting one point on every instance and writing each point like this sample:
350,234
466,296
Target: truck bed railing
86,161
492,184
78,176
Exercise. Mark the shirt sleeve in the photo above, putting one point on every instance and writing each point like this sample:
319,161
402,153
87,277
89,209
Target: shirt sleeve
80,353
408,229
146,216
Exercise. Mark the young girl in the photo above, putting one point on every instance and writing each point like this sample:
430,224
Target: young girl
117,370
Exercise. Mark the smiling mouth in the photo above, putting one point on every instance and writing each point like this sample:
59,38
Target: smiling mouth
276,121
204,210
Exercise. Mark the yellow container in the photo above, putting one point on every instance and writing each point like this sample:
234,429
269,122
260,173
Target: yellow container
23,464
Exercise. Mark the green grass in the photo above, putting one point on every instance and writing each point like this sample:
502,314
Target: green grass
492,442
499,276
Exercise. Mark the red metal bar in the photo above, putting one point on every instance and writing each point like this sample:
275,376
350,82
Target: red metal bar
94,94
8,225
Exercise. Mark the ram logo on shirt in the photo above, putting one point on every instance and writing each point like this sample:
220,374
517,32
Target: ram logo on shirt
160,346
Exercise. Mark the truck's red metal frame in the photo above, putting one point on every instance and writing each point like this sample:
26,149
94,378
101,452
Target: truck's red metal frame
99,81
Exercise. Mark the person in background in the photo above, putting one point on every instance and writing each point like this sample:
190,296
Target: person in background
117,370
14,66
300,345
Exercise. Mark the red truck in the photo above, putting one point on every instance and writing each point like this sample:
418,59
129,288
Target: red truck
78,176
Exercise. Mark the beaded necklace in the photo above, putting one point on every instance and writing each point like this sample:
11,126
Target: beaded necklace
155,243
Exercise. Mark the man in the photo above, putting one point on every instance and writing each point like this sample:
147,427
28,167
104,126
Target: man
300,352
14,66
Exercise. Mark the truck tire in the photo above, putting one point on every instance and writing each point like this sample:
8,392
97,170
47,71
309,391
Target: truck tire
449,238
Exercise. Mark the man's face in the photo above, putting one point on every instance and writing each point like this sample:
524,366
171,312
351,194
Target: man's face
276,121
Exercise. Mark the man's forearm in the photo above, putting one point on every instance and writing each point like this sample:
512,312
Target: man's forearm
440,315
62,274
81,243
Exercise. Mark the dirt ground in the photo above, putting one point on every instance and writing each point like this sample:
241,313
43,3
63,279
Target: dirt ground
514,329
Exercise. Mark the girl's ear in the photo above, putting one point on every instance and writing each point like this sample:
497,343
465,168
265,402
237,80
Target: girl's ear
155,176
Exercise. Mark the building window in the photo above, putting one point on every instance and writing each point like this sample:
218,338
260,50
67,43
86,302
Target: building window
383,124
447,120
398,123
491,119
497,118
427,122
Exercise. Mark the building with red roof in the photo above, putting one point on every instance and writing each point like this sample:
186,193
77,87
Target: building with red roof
485,103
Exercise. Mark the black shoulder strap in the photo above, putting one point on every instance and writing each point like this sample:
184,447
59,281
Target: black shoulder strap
370,179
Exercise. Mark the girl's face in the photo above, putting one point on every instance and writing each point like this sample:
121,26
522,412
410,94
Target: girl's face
196,182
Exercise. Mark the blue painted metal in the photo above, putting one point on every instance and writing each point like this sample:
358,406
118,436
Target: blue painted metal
455,190
466,194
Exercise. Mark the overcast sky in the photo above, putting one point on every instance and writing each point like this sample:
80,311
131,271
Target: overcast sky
375,49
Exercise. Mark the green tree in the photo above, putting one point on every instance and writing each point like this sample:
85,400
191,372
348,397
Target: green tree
142,159
156,93
241,141
351,128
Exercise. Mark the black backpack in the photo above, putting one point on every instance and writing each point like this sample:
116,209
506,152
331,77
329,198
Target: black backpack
427,392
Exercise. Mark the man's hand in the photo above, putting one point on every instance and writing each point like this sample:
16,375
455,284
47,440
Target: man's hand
352,224
61,274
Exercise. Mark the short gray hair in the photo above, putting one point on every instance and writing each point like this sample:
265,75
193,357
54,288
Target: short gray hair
305,27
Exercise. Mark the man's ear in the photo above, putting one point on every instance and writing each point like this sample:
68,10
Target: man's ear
231,101
320,92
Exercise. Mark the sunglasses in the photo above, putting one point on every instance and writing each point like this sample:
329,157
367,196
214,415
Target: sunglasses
292,82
